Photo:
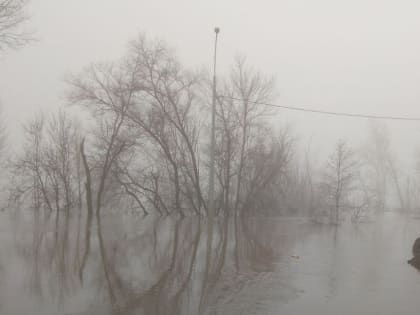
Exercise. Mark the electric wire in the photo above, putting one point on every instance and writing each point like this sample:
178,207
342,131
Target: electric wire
331,113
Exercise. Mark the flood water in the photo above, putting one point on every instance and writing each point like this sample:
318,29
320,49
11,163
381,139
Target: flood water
136,265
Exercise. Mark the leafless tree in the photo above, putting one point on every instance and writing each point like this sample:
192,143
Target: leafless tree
28,178
339,177
60,156
166,114
240,117
266,169
380,168
375,157
152,98
158,109
252,89
12,17
44,171
297,191
106,90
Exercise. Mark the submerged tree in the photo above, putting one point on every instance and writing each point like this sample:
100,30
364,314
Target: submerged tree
339,177
147,101
167,114
375,157
43,175
146,145
380,169
249,157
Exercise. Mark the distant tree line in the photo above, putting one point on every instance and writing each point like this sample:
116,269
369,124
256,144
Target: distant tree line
146,141
145,146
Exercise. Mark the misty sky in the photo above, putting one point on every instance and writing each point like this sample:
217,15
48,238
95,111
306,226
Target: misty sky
359,56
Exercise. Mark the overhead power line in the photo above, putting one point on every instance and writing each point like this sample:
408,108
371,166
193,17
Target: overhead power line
331,113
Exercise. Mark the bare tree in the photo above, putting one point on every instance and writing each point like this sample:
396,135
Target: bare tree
60,156
361,200
29,181
45,170
12,17
241,117
165,114
252,88
155,98
339,177
298,192
106,90
159,112
266,169
375,156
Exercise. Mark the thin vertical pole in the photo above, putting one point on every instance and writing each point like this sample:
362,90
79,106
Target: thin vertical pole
211,209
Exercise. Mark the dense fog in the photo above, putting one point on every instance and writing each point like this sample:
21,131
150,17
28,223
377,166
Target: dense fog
209,158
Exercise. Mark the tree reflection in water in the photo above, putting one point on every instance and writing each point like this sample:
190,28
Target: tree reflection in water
166,265
151,265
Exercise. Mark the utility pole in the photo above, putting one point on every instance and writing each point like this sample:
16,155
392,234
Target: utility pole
211,209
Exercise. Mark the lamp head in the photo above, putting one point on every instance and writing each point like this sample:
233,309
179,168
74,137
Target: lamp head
216,30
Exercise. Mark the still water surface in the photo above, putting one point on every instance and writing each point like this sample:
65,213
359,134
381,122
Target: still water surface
135,265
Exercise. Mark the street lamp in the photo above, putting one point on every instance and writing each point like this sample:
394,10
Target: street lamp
213,134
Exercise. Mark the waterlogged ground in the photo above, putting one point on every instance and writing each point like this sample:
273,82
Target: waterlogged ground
134,265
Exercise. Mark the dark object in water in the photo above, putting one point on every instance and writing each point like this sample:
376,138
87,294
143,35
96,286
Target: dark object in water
415,261
416,248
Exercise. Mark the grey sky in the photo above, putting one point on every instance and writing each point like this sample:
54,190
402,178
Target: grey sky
357,56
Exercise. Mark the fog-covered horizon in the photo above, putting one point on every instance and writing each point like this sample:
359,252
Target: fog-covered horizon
359,57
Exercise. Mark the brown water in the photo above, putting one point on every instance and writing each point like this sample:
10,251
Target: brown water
168,266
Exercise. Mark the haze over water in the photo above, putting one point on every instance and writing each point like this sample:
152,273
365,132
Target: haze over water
189,157
158,266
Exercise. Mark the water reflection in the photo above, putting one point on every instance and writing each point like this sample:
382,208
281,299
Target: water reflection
166,265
